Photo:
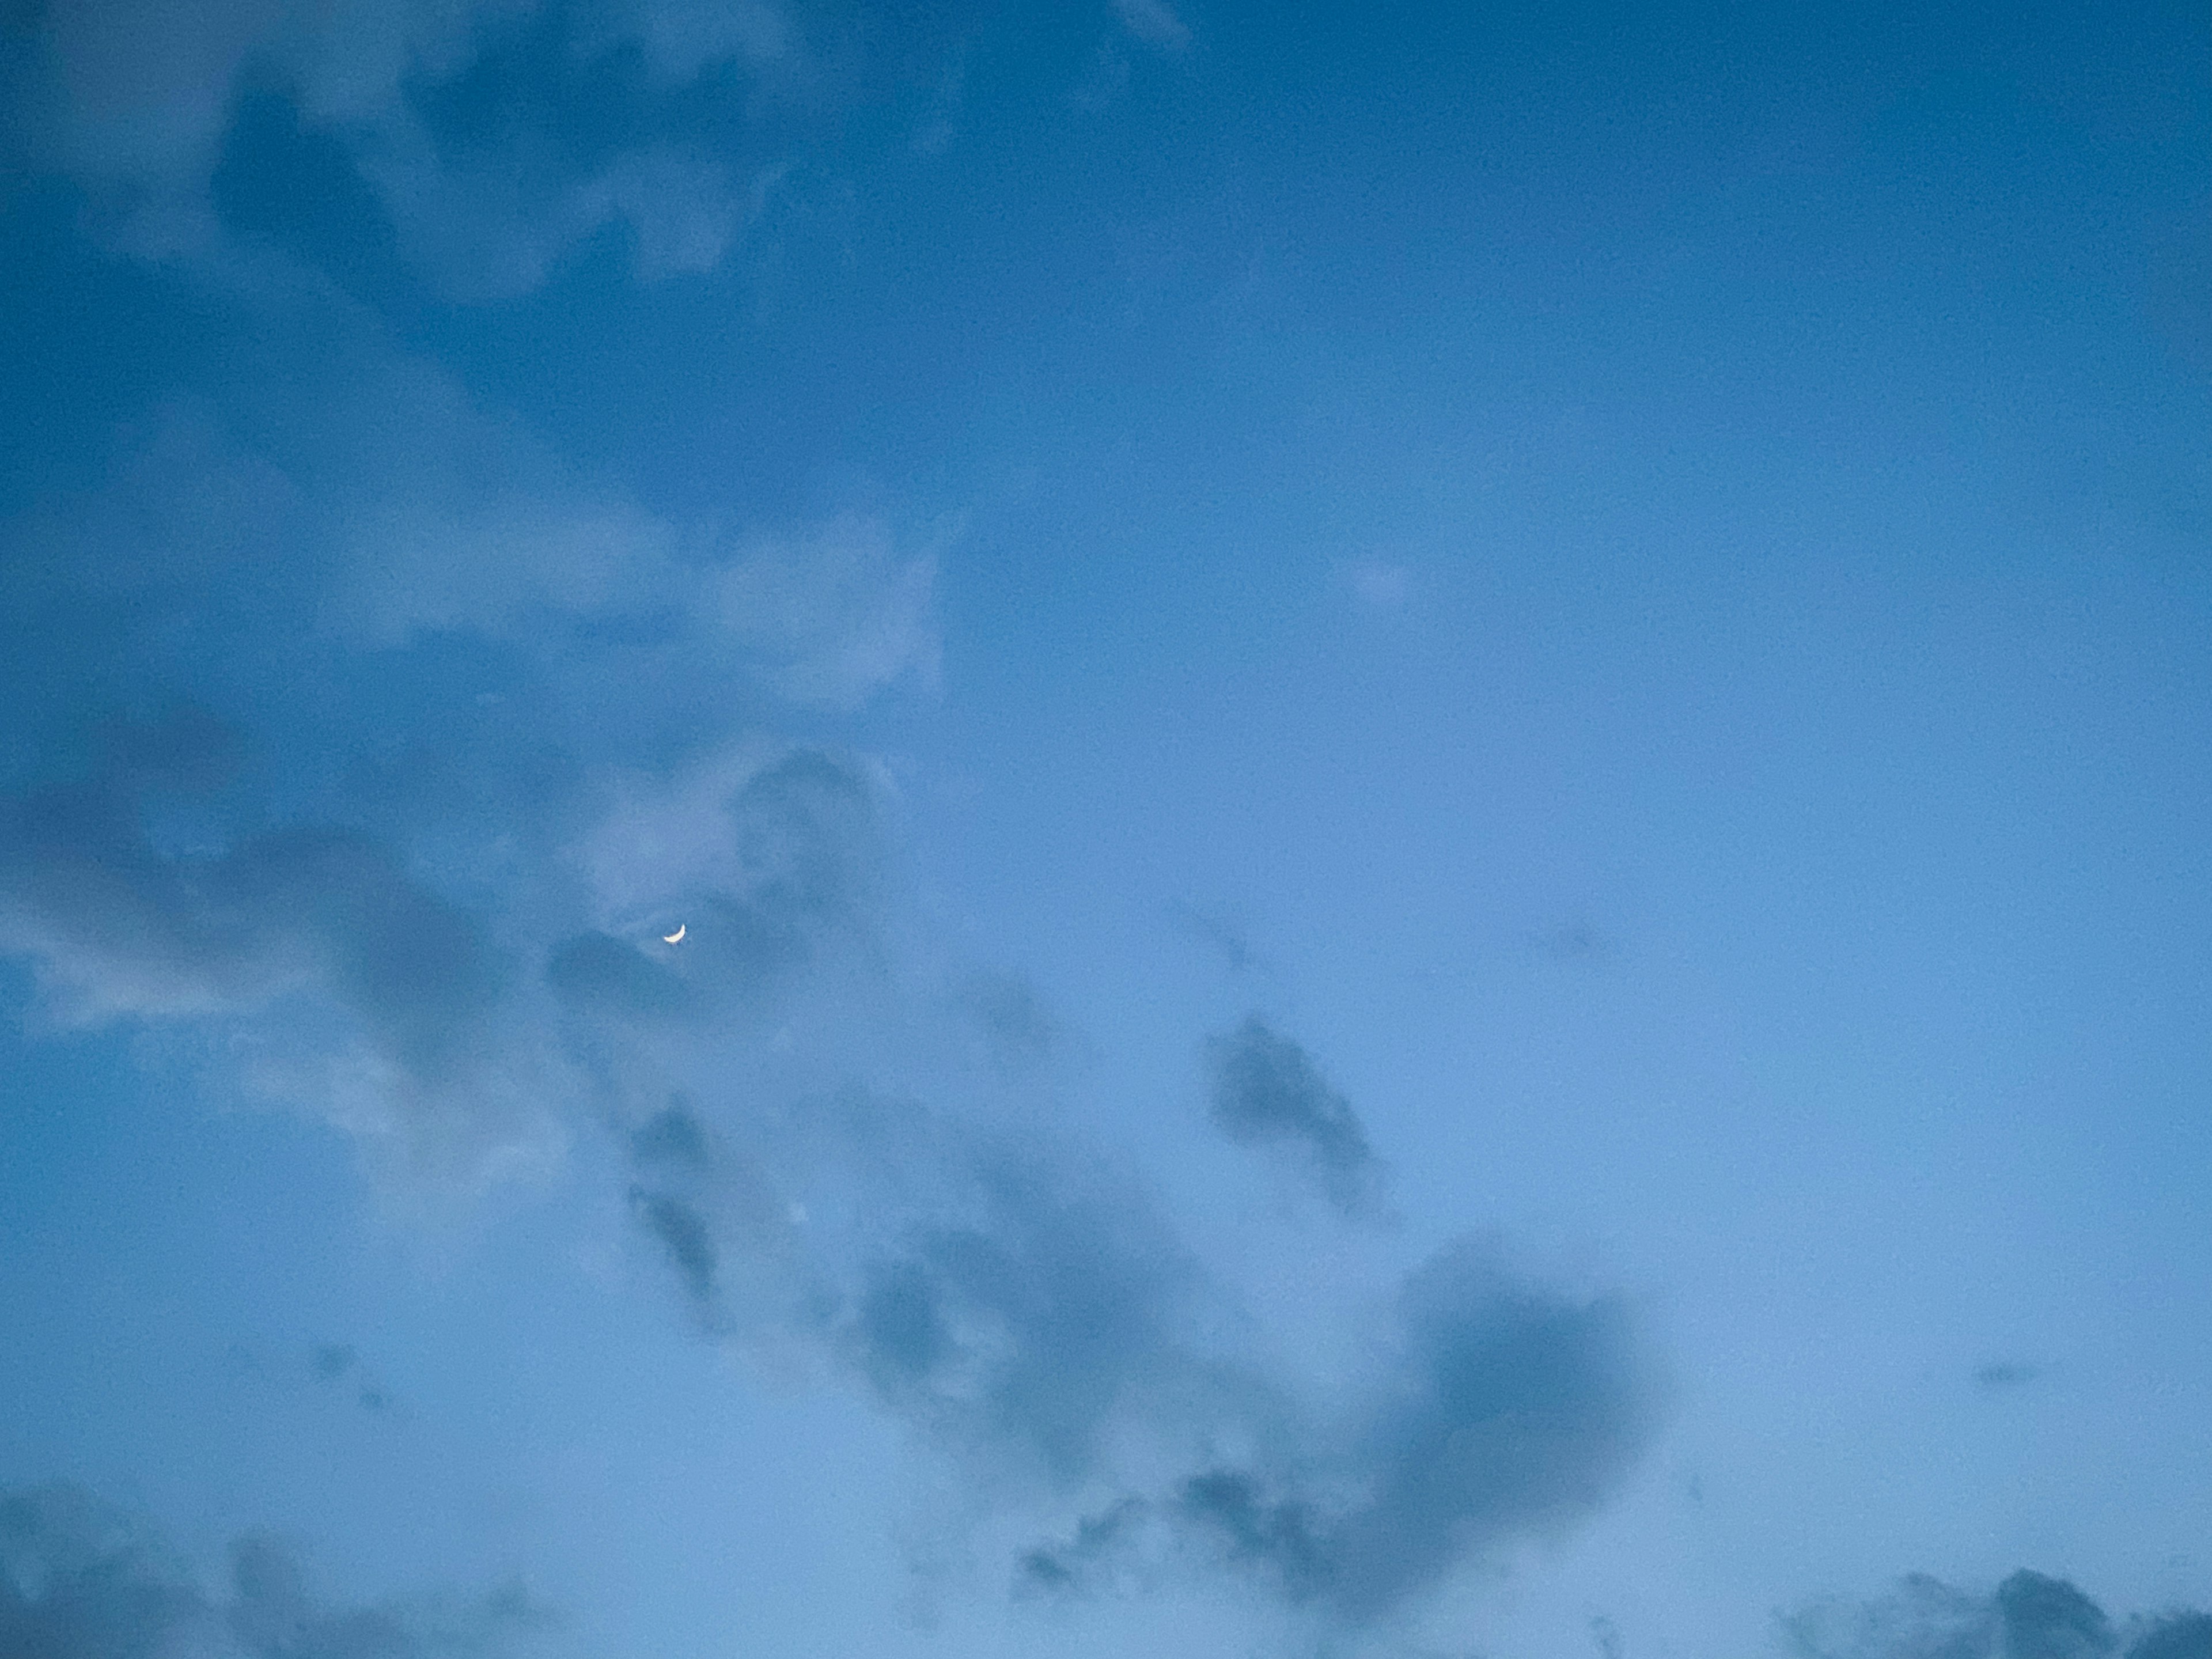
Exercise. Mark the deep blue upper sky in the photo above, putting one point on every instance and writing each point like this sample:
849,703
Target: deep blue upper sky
1438,778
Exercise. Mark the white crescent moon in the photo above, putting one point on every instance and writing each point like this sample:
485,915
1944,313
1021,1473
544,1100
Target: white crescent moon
675,938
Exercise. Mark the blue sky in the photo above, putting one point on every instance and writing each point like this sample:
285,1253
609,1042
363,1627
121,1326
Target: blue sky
1438,778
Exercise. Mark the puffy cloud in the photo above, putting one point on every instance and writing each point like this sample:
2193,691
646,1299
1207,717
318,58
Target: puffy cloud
80,1579
1267,1091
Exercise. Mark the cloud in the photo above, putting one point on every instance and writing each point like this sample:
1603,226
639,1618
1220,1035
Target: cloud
1265,1090
406,738
2005,1374
2028,1616
1013,1020
1379,584
682,1232
833,614
1045,1330
343,981
80,1579
1027,1311
2176,1635
1576,942
1224,933
1504,1410
1501,1411
1098,1542
769,858
419,743
1154,22
720,1221
337,1362
450,112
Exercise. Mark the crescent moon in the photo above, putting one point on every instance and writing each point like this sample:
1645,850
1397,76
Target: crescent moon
676,938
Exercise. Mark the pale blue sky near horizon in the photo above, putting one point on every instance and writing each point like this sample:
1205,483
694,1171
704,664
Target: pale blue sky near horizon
1439,778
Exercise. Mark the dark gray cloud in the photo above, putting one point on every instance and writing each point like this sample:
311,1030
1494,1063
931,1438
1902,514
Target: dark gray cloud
673,1137
1266,1091
2044,1618
596,973
1099,1540
2028,1616
1033,1336
81,1579
1020,1315
1504,1411
2176,1635
717,1217
1041,1324
2005,1374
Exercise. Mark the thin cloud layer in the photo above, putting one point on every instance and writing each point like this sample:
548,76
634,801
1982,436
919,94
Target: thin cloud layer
1267,1092
81,1579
